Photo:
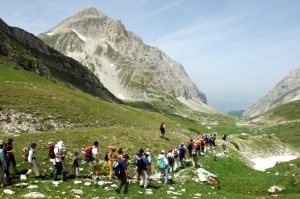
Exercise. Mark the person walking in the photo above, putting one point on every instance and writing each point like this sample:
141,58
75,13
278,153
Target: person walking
162,129
111,160
145,171
124,178
3,165
10,152
75,164
59,156
136,161
95,160
32,160
163,164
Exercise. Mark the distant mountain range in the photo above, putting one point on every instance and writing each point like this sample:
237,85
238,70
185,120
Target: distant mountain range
287,90
127,67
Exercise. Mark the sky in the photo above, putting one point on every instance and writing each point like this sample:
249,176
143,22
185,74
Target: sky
235,51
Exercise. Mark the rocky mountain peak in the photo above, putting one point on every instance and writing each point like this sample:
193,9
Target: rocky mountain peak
125,65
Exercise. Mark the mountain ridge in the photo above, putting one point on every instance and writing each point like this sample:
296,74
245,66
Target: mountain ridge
127,67
287,90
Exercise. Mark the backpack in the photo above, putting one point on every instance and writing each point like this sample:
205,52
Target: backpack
175,153
138,161
106,156
118,169
170,160
88,153
161,163
51,153
26,153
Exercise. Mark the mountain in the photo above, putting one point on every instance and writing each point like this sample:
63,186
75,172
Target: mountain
127,67
32,54
287,90
236,113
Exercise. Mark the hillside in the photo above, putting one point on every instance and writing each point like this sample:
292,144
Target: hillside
127,67
30,103
287,90
30,53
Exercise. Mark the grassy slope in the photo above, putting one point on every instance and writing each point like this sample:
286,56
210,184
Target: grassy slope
131,129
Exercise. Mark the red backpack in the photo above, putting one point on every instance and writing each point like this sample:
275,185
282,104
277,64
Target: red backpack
88,153
51,153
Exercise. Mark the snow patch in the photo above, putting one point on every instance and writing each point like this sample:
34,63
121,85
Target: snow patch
79,35
120,96
50,33
261,164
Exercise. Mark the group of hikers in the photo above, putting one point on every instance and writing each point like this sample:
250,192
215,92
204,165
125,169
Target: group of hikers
117,161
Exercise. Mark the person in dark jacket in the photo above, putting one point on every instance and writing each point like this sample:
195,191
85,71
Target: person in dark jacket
124,179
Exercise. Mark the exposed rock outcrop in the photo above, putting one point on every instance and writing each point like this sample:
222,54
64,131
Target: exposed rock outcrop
130,69
288,89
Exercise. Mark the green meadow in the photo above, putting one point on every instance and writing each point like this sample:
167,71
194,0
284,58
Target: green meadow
58,112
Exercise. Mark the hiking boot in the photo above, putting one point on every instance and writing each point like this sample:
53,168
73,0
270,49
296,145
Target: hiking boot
118,191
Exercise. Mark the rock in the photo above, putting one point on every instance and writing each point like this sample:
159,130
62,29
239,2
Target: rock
32,187
8,191
76,191
275,189
34,195
87,184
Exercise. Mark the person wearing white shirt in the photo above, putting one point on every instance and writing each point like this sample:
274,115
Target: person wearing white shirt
32,160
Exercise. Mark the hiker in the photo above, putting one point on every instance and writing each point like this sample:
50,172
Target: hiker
59,156
150,162
198,144
224,145
3,165
145,171
224,136
137,157
124,178
190,146
202,145
181,153
75,164
194,153
6,170
213,140
10,153
51,156
176,159
95,160
111,160
170,160
32,160
162,129
163,164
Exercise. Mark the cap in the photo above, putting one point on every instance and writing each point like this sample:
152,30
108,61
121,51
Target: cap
112,147
33,144
147,153
162,151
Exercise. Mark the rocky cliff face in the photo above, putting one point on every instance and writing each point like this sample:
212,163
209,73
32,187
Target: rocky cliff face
288,89
30,53
130,69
